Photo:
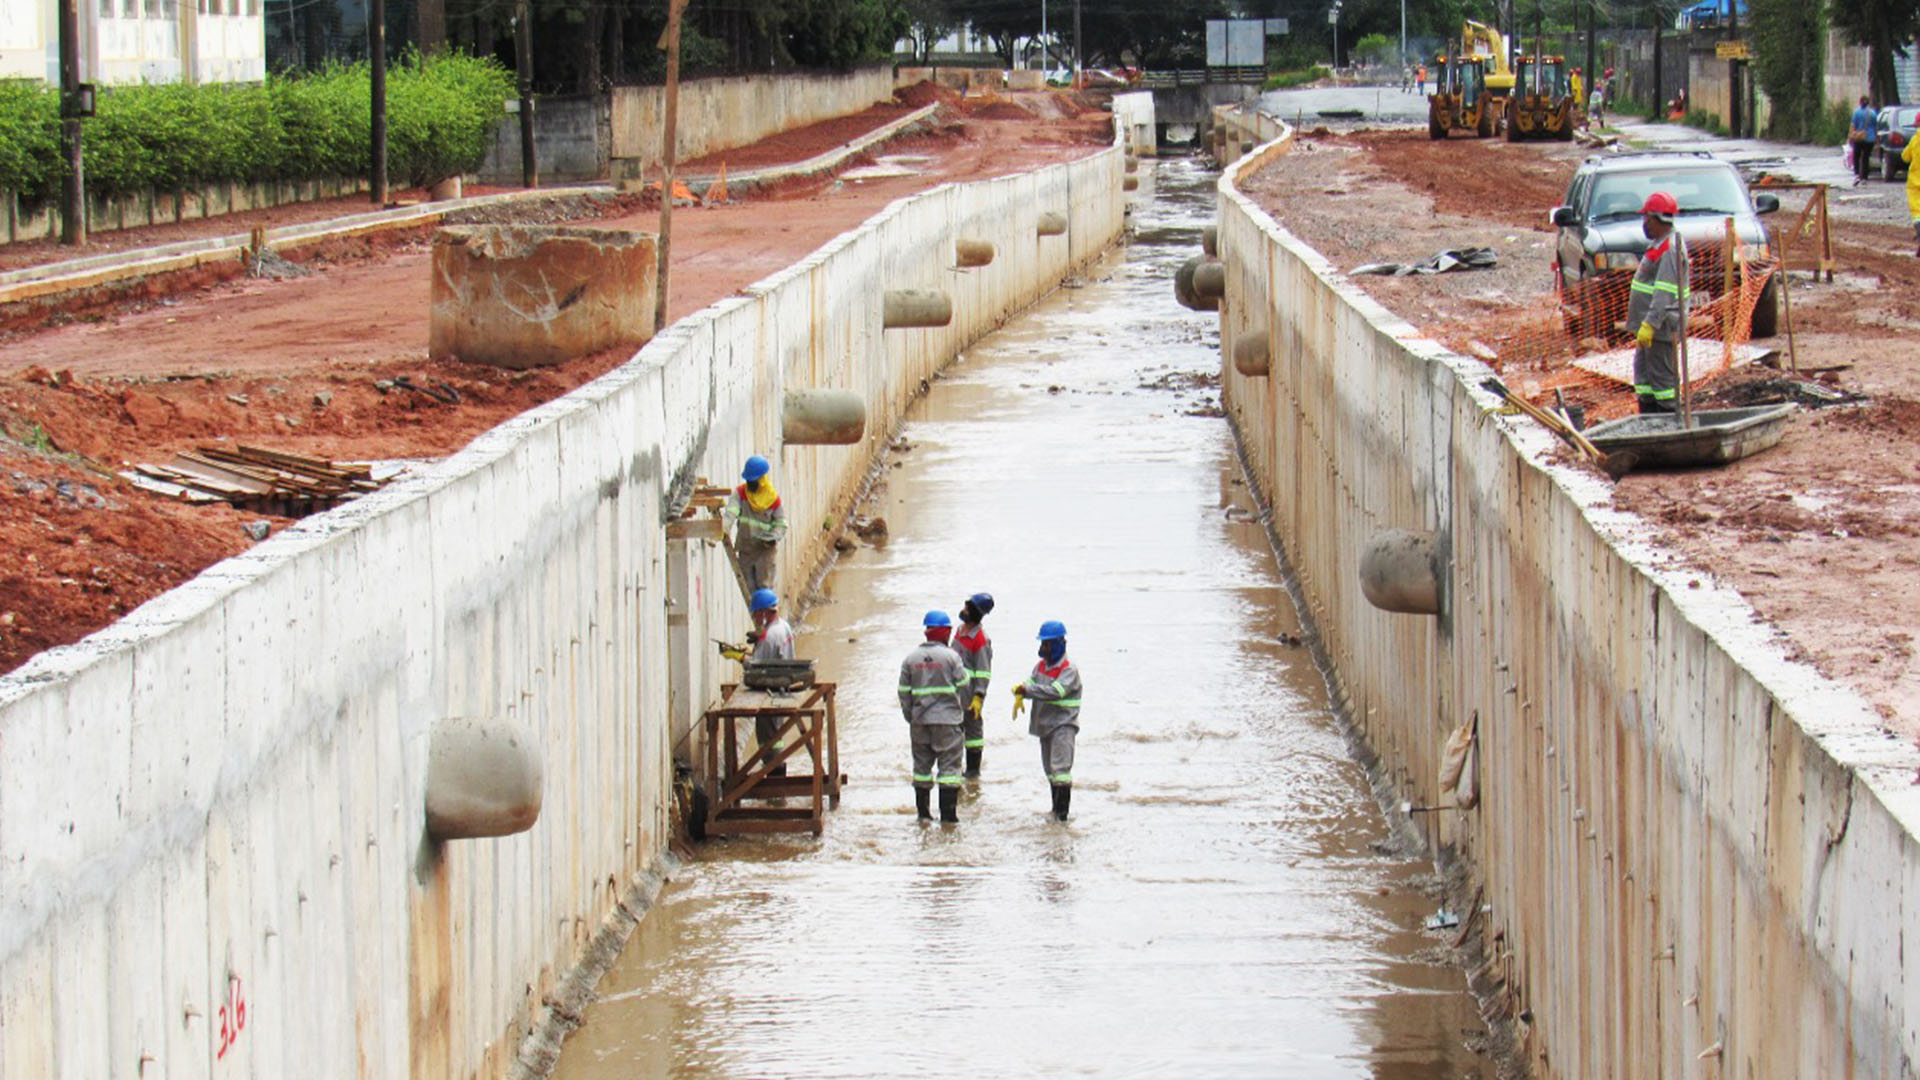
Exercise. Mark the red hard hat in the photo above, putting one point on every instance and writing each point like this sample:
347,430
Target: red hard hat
1661,205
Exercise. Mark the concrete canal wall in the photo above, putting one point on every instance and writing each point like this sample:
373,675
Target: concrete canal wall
213,847
1698,857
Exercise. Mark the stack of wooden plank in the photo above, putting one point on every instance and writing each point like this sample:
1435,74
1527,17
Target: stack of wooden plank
257,479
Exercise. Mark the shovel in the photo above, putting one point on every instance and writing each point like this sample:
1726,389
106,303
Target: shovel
1614,465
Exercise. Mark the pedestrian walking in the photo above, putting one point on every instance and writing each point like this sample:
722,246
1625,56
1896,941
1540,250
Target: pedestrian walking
932,682
976,652
1597,107
1657,305
1054,689
1860,139
1420,78
759,522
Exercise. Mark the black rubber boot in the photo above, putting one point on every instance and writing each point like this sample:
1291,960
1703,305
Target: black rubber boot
949,804
1062,797
973,762
920,798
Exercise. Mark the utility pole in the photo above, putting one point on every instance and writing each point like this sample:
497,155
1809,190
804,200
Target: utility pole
669,41
1593,71
1044,68
1078,52
1403,32
73,193
523,64
377,60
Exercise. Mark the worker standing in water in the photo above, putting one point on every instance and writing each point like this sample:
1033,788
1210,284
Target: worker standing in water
759,522
976,651
933,682
1054,689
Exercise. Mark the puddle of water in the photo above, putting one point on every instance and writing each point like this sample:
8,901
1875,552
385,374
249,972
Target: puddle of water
1218,906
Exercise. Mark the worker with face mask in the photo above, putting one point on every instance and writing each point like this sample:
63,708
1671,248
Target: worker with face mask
759,522
933,688
1656,307
1054,689
977,653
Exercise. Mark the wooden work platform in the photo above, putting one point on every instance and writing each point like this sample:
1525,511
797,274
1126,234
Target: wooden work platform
807,723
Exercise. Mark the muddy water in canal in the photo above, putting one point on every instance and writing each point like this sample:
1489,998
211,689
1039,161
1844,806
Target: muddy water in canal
1223,902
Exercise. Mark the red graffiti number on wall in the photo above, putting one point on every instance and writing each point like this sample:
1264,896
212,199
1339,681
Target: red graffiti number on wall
233,1016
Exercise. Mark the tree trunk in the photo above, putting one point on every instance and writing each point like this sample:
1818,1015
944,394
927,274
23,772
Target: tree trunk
595,37
617,45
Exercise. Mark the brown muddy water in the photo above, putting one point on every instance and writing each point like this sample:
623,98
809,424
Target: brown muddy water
1226,901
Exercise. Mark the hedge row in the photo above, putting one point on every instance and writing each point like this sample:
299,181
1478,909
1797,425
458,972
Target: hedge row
441,113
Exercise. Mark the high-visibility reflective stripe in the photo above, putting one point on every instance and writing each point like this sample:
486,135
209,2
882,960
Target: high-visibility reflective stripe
1641,286
1668,287
1060,778
1064,703
922,691
1655,392
951,779
980,674
975,744
923,778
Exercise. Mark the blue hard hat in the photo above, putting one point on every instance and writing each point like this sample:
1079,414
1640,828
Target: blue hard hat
982,601
1051,629
937,618
762,600
756,468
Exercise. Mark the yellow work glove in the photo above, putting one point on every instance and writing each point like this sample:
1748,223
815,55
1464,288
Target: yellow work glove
1019,700
734,652
973,707
1644,335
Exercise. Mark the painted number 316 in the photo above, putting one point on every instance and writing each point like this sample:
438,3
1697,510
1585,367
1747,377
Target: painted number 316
233,1016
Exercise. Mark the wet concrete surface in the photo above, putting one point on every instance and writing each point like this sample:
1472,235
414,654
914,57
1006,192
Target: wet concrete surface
1226,900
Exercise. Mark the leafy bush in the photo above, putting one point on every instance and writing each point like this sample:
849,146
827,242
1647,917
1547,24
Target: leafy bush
1287,80
441,114
1832,126
1705,121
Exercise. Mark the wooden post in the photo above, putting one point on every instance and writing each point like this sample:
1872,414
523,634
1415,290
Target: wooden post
1730,301
670,41
377,65
523,64
73,191
1786,301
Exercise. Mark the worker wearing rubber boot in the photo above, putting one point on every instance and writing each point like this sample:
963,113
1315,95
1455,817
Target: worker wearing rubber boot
1054,689
759,522
772,639
933,687
977,653
1656,309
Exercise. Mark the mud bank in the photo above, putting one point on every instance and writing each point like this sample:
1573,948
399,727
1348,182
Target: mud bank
1693,851
213,824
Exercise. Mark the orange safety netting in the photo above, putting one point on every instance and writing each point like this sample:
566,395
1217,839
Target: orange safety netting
1574,345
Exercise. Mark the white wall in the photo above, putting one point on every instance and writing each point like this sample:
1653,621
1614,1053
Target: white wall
1689,845
220,797
717,114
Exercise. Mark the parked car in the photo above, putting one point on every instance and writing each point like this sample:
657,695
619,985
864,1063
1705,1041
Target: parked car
1599,242
1896,124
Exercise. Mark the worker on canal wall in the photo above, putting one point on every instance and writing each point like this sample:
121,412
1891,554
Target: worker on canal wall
933,688
976,651
1054,689
772,639
1656,307
759,522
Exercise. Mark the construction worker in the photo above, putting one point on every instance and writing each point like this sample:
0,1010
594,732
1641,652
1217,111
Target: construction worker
1576,85
1657,305
977,653
1054,689
771,639
933,685
759,522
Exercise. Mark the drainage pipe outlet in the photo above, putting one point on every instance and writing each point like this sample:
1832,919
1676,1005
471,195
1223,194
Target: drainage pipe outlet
1186,283
484,778
915,307
1400,571
1053,223
822,418
1251,355
972,252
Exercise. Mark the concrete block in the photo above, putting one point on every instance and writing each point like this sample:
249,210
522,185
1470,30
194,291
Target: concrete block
484,778
903,308
1252,356
1026,79
1053,223
1400,570
823,418
972,252
532,296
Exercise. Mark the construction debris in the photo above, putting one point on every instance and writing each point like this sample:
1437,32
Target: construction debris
257,479
1438,263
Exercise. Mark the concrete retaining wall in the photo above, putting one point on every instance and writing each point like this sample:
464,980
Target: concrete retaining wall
572,136
717,114
1698,857
211,820
28,222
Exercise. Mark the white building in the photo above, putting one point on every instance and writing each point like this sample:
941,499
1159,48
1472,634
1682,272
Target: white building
131,41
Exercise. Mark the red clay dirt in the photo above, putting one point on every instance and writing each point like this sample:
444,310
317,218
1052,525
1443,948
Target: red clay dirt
306,365
1821,533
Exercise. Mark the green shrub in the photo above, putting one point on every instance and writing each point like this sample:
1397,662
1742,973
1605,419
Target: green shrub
1287,80
441,114
1705,121
1832,127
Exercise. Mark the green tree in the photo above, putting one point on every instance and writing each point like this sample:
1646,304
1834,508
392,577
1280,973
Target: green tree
1789,57
1882,26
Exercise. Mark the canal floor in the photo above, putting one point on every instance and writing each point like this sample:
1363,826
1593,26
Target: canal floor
1226,900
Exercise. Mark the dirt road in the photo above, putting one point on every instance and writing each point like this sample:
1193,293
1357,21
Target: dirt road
1822,533
308,365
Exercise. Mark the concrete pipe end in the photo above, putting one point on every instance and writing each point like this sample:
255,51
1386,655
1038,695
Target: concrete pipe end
823,418
1130,183
1400,571
1210,241
1052,223
1133,163
906,308
484,778
1252,356
971,253
1210,279
1185,291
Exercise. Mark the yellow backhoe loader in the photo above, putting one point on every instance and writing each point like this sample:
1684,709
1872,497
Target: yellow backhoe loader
1542,105
1460,100
1479,39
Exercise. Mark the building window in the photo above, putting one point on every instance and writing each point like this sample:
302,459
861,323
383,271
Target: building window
130,9
106,9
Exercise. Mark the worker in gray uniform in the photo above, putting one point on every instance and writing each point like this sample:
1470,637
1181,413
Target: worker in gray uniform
1657,306
1054,689
933,685
976,651
772,639
759,522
